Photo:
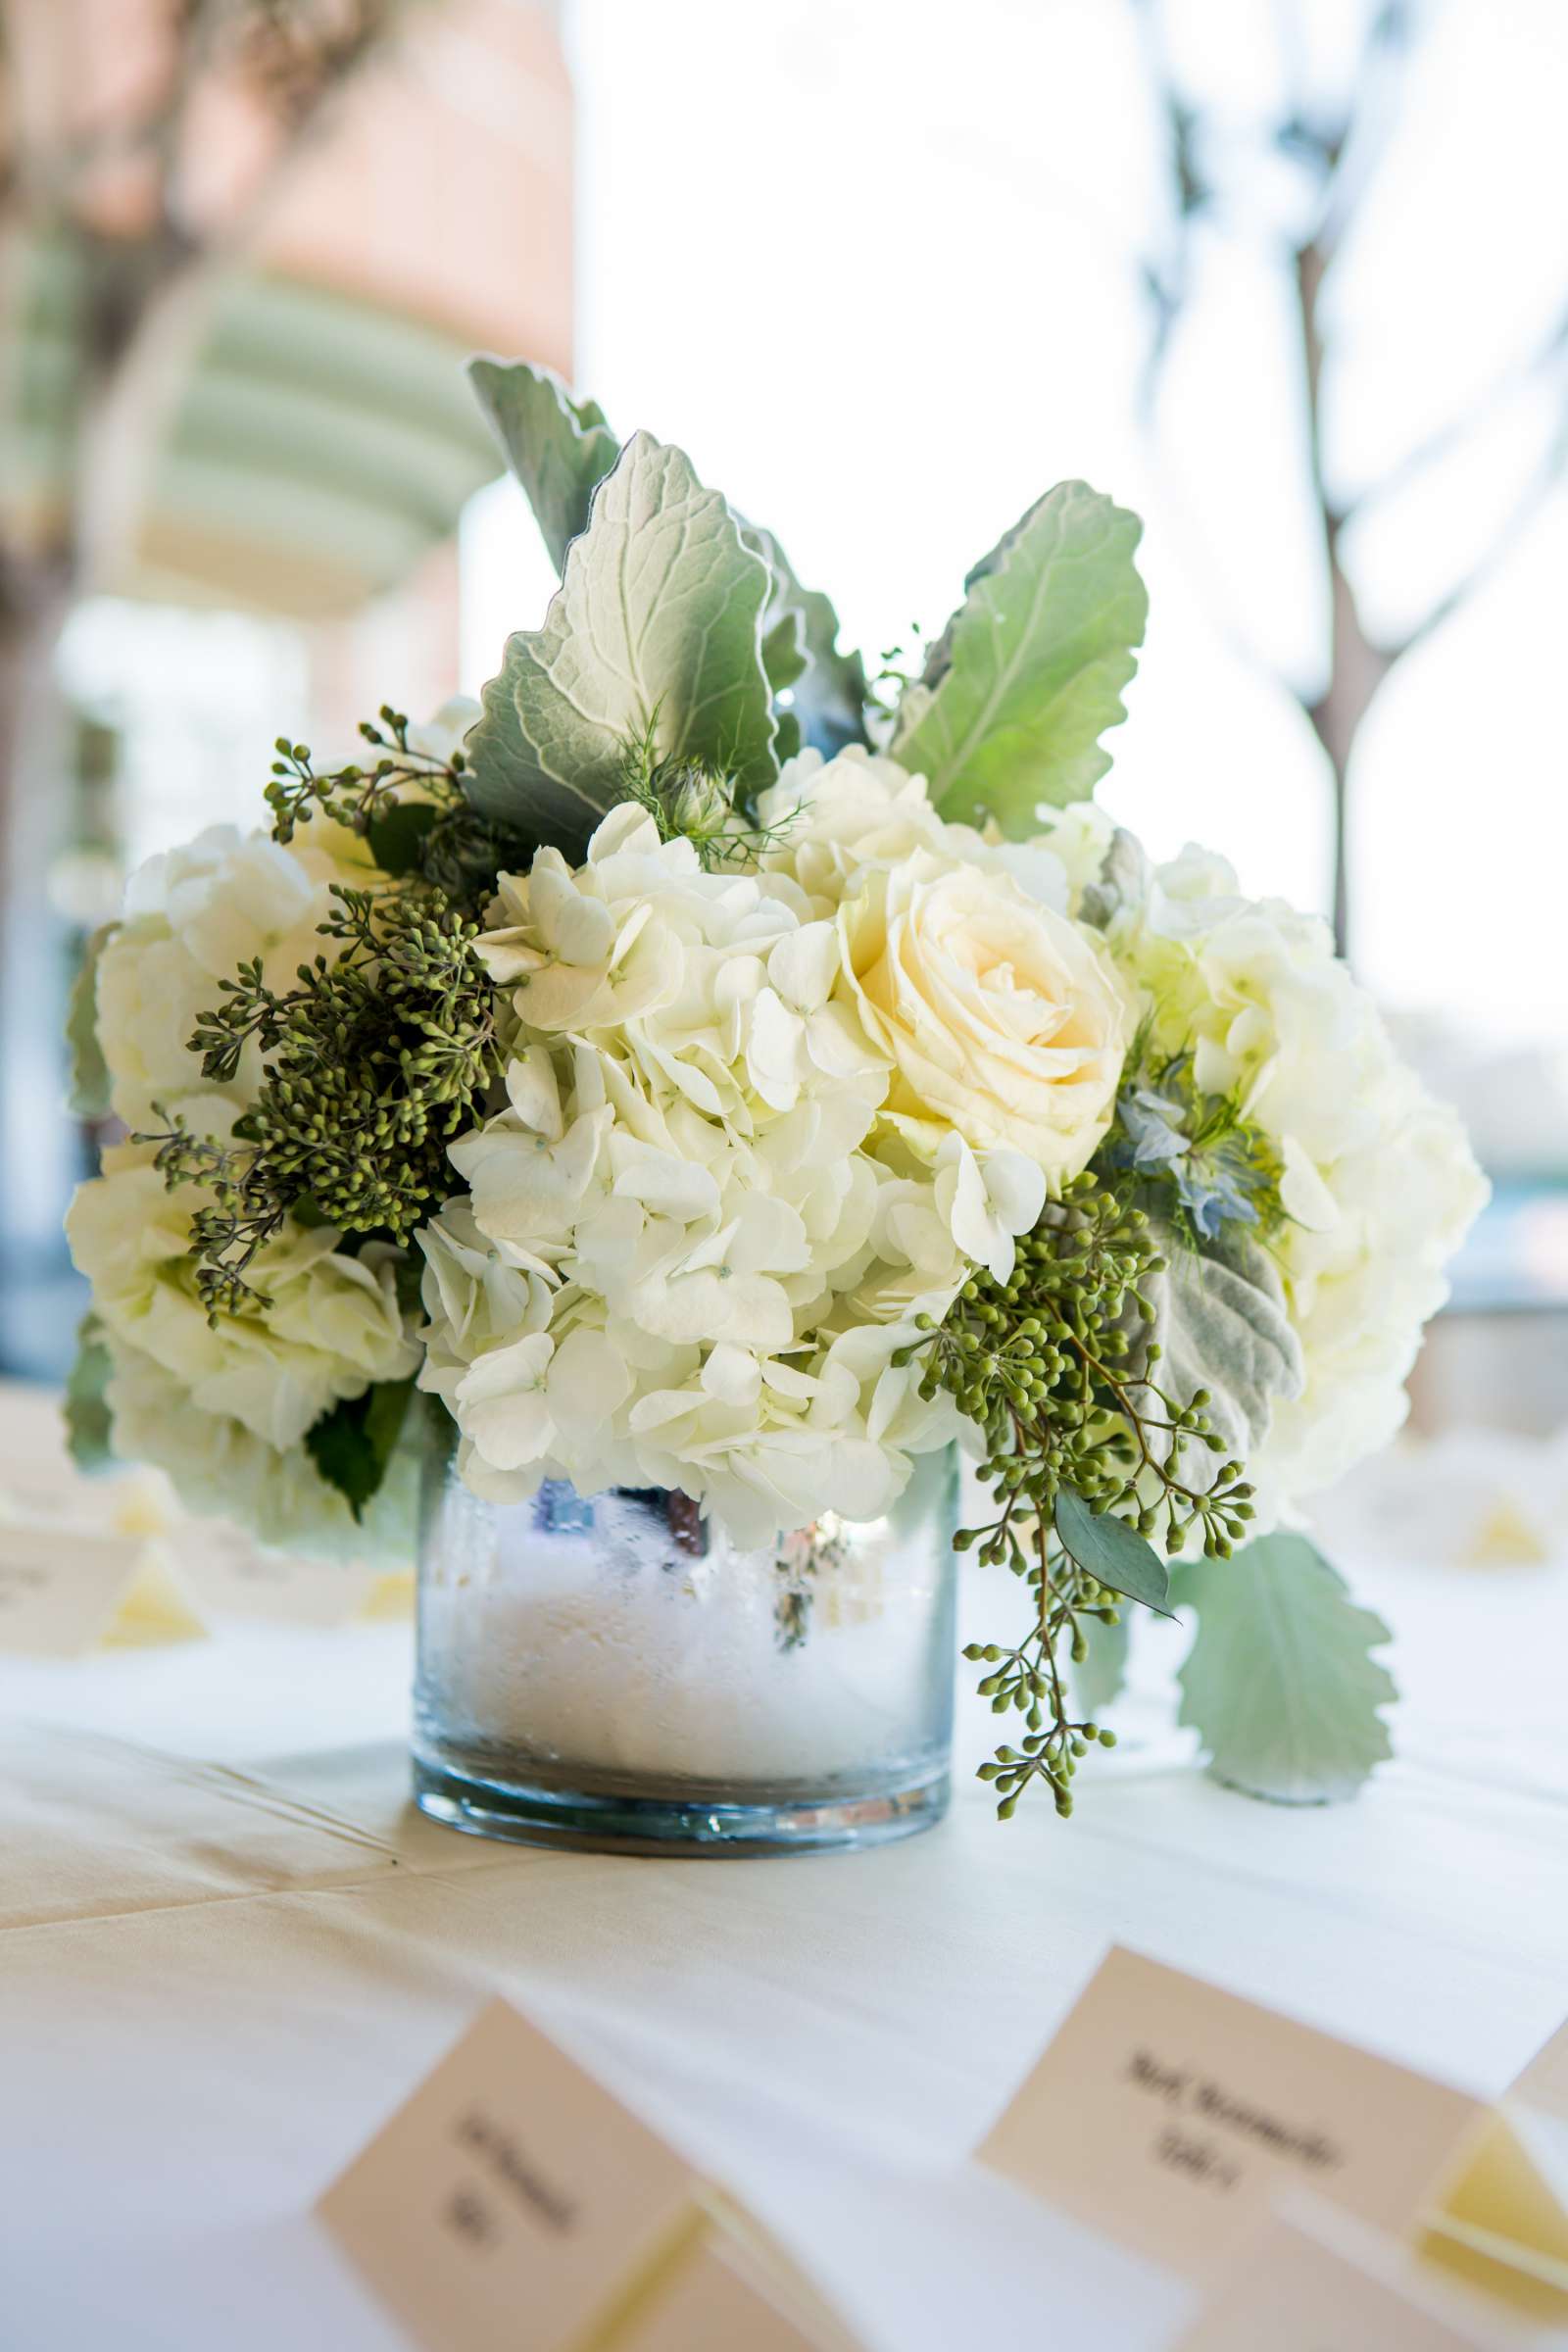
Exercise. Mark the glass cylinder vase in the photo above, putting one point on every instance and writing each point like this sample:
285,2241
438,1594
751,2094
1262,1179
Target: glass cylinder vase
613,1673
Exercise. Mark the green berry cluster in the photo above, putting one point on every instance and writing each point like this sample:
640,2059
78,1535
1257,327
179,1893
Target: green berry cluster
1056,1367
356,796
376,1061
435,839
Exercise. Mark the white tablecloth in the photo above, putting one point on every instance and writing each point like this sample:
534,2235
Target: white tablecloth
227,1948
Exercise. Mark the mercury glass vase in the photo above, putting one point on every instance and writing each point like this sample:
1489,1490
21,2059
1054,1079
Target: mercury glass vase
614,1674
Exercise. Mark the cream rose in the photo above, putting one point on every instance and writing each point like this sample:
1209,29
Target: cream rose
1003,1021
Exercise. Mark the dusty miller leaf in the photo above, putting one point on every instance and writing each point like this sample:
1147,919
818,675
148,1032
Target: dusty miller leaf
784,654
1122,881
827,692
656,620
1279,1684
1029,672
1222,1324
88,1096
88,1422
559,448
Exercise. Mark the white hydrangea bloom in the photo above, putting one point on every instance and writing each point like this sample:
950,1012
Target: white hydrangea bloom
333,1325
717,1190
192,916
222,1469
1378,1183
242,1394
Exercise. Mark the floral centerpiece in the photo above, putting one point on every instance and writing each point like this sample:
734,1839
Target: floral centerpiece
703,1073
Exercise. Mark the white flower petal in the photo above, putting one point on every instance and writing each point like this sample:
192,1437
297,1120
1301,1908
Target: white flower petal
733,1375
803,965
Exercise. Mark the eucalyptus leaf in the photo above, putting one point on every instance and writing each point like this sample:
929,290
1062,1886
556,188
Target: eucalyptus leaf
1107,1547
655,624
88,1095
1029,672
559,448
87,1418
1279,1684
1098,1678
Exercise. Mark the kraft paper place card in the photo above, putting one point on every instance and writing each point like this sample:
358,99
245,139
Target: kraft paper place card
514,2201
1172,2115
1310,2278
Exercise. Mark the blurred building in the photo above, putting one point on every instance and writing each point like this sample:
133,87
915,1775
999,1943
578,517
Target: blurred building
243,254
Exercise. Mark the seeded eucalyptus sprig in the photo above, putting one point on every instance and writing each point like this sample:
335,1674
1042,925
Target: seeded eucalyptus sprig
353,795
437,837
378,1059
1088,1456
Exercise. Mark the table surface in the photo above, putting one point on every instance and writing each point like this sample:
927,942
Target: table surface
228,1949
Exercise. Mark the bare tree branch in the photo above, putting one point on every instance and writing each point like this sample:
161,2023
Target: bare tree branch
1544,479
1550,355
1344,148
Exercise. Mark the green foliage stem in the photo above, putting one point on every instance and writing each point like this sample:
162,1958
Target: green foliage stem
1074,1438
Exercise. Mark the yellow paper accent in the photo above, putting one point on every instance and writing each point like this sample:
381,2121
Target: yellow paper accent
1505,1538
1310,2275
141,1505
1506,2217
390,1598
155,1607
716,2299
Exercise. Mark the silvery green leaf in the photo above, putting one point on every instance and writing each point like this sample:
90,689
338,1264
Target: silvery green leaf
784,654
655,625
88,1095
1030,671
1098,1678
1222,1324
559,448
938,655
1122,880
827,693
88,1428
1279,1684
